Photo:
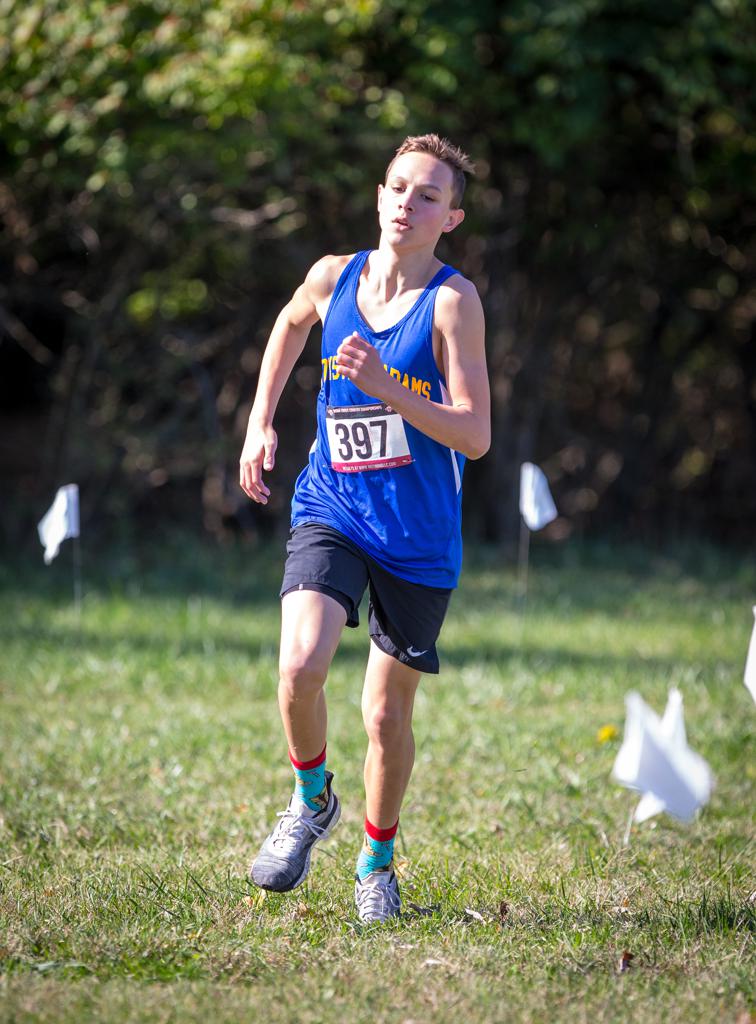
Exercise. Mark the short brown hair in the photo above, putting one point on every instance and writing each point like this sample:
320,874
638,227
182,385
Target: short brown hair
454,158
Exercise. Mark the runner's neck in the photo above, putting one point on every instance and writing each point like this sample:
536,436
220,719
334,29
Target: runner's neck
391,274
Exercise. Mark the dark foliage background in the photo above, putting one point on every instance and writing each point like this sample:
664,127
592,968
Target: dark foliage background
170,171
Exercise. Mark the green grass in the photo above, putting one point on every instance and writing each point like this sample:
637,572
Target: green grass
142,763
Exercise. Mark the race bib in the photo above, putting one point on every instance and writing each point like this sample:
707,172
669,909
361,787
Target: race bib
365,437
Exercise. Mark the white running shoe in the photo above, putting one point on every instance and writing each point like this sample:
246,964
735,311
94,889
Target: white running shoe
377,896
284,858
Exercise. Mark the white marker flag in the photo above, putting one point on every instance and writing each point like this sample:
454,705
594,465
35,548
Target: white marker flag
60,521
536,504
750,669
655,758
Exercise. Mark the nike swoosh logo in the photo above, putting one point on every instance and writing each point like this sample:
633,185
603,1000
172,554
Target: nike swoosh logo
416,654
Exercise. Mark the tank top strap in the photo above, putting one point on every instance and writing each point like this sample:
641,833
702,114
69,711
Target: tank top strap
348,275
359,261
443,274
427,301
423,308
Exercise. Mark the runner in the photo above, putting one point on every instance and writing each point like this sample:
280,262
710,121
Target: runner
404,400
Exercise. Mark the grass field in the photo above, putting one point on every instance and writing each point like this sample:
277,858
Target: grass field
142,762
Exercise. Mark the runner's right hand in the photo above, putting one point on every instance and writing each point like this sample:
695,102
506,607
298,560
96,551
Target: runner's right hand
258,454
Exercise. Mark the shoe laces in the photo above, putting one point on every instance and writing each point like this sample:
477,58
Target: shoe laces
380,897
293,828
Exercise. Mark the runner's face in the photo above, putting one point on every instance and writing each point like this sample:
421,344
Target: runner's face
414,204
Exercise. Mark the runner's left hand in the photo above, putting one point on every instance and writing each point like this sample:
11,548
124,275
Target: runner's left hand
359,361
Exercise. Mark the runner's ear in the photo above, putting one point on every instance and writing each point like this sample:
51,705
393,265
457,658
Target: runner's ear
454,219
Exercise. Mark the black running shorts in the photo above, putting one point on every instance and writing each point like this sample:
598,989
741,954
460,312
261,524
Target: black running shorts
404,618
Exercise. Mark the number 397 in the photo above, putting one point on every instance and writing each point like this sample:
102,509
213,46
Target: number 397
357,439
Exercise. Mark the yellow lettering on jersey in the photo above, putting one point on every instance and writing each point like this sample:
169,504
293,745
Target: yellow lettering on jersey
416,384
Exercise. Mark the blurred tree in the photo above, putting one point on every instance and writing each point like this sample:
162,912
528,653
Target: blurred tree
171,170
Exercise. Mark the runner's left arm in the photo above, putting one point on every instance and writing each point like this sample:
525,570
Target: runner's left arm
465,425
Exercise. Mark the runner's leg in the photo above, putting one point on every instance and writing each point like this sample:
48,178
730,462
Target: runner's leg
311,626
387,701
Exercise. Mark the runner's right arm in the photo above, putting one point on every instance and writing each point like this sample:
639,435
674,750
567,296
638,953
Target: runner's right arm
285,345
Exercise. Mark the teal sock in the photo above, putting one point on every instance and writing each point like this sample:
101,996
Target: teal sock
310,782
377,851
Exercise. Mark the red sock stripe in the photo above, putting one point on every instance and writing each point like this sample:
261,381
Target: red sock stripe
305,765
381,835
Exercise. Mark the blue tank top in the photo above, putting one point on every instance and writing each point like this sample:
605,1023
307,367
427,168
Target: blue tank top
372,476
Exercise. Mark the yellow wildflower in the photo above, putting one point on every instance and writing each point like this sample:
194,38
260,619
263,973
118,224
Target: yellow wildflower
606,733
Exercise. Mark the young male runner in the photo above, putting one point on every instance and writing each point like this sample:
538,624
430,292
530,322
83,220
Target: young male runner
404,400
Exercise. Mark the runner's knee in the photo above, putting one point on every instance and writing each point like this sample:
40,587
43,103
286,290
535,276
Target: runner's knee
301,675
386,722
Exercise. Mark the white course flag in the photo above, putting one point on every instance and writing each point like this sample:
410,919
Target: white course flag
536,504
750,669
60,521
655,758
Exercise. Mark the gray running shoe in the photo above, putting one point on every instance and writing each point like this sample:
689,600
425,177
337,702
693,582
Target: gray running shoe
377,896
284,858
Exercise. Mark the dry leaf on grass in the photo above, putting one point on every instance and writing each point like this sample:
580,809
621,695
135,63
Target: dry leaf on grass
625,961
420,911
401,867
